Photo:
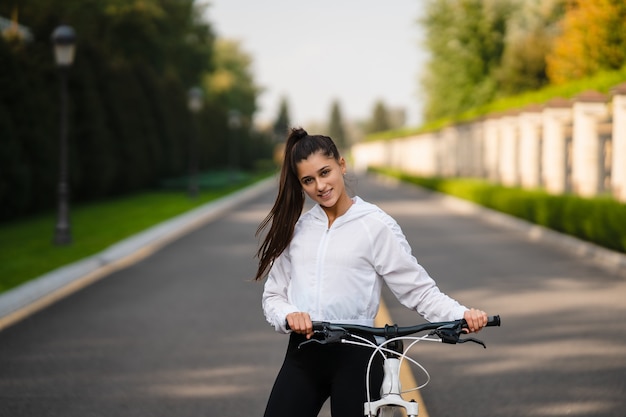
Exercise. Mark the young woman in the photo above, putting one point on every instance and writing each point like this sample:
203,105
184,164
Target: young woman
329,264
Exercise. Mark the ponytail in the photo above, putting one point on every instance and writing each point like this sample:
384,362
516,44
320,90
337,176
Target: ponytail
289,203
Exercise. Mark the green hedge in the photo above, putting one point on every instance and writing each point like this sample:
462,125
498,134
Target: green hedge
600,220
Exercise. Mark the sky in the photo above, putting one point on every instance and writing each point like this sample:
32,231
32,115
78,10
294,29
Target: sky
315,52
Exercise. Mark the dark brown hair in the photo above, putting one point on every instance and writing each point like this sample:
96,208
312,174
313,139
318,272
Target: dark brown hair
290,200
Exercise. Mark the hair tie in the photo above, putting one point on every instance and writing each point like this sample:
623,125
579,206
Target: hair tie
299,133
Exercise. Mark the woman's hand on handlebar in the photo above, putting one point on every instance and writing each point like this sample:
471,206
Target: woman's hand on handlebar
476,319
301,323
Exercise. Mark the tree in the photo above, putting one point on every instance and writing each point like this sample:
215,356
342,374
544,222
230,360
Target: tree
593,38
233,92
231,85
282,122
127,111
379,121
335,127
530,35
466,43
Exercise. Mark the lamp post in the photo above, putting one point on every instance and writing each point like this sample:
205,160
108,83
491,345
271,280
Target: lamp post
64,41
194,103
234,122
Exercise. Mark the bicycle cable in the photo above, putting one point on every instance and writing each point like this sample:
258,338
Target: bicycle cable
381,349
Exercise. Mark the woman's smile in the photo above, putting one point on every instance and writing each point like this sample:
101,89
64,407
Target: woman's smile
321,178
326,194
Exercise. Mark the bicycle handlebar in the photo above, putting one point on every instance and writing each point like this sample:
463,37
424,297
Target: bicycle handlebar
395,330
447,331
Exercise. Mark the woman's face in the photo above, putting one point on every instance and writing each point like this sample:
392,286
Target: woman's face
321,178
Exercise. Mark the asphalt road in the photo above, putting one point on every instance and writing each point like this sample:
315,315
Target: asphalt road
181,333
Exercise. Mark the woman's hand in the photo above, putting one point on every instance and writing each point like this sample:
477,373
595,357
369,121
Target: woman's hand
476,320
300,322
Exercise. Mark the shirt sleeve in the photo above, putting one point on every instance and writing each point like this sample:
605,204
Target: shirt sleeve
275,302
408,280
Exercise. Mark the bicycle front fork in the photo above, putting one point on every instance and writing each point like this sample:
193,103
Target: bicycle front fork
390,393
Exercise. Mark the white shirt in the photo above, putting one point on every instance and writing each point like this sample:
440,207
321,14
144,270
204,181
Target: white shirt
336,274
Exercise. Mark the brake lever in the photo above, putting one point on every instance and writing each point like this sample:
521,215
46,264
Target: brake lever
452,334
311,340
328,335
447,335
474,340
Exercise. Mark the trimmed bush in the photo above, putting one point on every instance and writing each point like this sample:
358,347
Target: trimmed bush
600,220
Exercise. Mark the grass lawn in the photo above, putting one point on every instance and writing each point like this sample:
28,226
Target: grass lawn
26,249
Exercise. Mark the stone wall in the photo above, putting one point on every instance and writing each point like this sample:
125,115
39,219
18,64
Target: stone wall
562,146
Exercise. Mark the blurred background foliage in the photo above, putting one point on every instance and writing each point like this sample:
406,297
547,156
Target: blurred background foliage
129,124
482,51
493,56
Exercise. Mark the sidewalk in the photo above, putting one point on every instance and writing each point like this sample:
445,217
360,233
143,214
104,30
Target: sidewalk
34,295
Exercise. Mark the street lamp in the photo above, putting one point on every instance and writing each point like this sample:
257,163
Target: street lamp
234,122
194,103
64,41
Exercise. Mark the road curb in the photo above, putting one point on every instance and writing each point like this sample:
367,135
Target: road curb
99,265
608,260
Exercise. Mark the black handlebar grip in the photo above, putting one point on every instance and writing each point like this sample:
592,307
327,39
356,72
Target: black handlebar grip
493,321
317,325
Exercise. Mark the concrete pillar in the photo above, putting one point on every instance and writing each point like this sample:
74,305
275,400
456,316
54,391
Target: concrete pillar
618,162
421,151
509,150
449,141
590,109
432,148
491,149
409,159
476,150
394,153
465,152
556,146
530,139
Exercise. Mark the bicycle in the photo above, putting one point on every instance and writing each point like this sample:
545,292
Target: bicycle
392,349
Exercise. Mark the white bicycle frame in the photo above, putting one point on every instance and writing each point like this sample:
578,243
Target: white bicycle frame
391,393
391,389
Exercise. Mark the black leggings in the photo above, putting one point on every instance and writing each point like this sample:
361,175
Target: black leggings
315,372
